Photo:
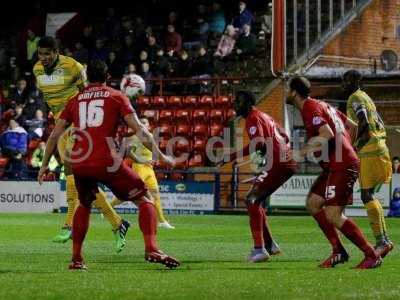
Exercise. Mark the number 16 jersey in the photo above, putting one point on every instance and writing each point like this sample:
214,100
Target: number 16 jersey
96,112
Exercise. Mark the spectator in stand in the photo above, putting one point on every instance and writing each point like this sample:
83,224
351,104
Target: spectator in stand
216,19
19,115
246,44
160,66
111,25
31,47
173,19
396,165
87,39
37,158
245,16
127,53
115,69
127,26
173,40
202,65
14,140
81,54
143,57
199,35
32,105
67,52
151,48
20,93
147,75
36,126
183,67
100,52
227,42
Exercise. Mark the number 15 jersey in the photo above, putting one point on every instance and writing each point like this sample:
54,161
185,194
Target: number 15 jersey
96,112
340,150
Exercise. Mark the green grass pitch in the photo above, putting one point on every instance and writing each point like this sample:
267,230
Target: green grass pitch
212,250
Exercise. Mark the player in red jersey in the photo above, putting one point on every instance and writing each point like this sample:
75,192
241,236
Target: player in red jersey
269,139
95,112
329,141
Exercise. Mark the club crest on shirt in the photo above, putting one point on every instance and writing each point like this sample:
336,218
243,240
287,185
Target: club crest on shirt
316,120
253,130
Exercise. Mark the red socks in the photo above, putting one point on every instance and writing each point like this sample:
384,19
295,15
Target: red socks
329,231
266,232
256,215
148,225
80,227
354,234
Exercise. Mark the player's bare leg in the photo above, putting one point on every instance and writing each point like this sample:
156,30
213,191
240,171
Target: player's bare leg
339,254
350,230
148,226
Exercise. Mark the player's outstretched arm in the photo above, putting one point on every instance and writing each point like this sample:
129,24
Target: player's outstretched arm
51,147
134,123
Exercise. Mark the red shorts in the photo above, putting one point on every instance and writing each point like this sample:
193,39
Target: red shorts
268,182
336,186
125,184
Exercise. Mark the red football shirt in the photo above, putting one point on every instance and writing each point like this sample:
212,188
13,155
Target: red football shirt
259,127
95,113
341,152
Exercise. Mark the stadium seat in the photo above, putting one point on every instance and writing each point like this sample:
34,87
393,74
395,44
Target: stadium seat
174,101
183,130
223,101
182,116
177,176
206,101
182,146
199,144
230,114
150,114
143,102
33,144
165,130
216,116
163,144
190,102
200,116
196,161
159,102
216,130
3,162
200,130
165,116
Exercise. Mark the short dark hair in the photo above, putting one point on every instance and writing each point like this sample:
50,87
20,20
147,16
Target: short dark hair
249,97
353,75
396,158
48,42
301,85
97,71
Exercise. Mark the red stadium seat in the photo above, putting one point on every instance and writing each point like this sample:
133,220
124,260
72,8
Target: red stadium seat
216,130
206,101
217,116
161,175
33,144
143,102
182,116
183,130
163,143
190,101
182,146
165,130
150,114
200,130
230,114
3,162
177,176
165,116
223,101
200,116
196,161
159,101
174,101
199,144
